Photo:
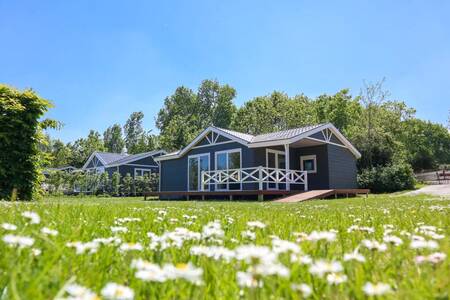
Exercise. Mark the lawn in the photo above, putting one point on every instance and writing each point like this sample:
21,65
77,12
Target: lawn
335,249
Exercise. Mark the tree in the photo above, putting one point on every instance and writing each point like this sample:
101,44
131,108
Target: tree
185,113
60,154
115,183
427,145
113,139
133,131
21,133
127,184
83,148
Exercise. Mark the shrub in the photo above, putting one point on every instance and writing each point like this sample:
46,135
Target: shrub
385,179
20,135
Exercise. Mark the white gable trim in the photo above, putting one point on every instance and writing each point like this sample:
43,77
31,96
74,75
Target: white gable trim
94,154
306,134
202,135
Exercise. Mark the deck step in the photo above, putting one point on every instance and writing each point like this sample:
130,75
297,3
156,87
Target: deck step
303,196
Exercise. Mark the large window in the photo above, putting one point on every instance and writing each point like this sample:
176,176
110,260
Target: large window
197,164
142,172
229,160
308,163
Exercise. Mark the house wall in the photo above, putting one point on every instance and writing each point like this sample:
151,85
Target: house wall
174,172
144,163
318,180
342,168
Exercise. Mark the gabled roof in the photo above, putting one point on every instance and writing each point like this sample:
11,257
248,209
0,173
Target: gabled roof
134,157
115,159
108,157
265,140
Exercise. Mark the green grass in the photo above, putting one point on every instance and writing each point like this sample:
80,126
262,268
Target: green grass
24,276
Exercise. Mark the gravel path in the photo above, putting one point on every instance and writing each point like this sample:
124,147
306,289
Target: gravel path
437,190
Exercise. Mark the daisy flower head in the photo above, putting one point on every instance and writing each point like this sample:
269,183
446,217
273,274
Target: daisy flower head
114,291
376,289
32,216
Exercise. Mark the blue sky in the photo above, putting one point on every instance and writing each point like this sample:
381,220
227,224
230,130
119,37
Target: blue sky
98,61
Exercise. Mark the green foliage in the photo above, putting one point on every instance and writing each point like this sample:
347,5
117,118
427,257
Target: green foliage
82,148
127,185
133,131
185,113
113,139
385,179
115,184
20,138
427,145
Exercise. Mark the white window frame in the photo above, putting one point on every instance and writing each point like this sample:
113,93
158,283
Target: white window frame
276,152
309,157
199,172
235,150
142,170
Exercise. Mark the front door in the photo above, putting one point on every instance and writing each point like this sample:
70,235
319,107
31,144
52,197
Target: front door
275,160
197,164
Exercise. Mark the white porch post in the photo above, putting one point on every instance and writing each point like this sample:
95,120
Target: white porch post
288,175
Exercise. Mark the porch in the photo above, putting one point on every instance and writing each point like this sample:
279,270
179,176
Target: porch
257,178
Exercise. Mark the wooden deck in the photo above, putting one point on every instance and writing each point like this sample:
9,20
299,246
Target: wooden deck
287,196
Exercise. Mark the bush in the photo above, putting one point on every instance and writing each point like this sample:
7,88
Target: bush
385,179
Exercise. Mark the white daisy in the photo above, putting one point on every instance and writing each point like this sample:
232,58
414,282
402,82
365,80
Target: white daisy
378,289
114,291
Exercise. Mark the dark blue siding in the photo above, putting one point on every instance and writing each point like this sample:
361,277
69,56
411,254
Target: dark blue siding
342,168
316,181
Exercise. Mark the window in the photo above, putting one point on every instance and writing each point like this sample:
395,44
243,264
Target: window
308,163
229,160
142,172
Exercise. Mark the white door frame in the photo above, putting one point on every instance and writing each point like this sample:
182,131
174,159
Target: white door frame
199,185
276,152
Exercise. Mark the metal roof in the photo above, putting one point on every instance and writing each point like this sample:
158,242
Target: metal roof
284,134
240,135
134,157
109,158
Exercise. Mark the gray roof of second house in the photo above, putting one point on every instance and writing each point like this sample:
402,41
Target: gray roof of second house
108,158
134,157
114,159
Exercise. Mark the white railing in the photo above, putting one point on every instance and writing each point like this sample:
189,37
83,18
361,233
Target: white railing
258,175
